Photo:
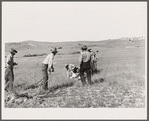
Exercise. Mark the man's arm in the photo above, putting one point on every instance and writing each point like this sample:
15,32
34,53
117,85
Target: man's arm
8,60
15,63
52,68
80,59
50,63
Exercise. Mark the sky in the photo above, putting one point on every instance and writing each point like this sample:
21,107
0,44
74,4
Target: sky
72,21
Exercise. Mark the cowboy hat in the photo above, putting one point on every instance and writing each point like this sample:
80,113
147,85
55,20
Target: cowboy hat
84,47
89,49
54,50
13,50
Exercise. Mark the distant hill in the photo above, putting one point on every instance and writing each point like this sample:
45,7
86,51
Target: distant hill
36,47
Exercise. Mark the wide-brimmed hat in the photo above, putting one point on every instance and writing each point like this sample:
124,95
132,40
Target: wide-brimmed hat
13,50
54,50
89,49
84,47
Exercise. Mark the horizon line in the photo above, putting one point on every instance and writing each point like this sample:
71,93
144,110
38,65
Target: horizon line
76,40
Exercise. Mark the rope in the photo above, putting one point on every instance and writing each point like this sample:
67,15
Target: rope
35,85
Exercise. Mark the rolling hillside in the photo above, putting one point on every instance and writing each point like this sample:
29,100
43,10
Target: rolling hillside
35,47
121,64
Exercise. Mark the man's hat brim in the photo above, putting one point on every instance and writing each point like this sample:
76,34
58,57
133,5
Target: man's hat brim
54,50
13,51
84,47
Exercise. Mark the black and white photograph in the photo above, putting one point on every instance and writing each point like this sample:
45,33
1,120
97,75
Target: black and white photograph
74,60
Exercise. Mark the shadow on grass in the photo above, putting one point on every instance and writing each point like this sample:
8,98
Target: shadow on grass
97,72
97,78
50,92
100,80
61,86
46,94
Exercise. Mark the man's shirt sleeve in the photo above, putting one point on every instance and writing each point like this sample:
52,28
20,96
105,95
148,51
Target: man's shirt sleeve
8,59
50,63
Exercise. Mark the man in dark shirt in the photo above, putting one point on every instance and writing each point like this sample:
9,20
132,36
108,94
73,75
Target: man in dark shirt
85,65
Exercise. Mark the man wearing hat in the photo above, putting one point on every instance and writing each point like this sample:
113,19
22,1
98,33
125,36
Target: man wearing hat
47,67
85,65
9,75
93,61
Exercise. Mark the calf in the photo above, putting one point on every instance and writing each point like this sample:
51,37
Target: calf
72,71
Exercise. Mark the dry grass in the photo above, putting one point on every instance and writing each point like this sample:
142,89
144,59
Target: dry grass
123,85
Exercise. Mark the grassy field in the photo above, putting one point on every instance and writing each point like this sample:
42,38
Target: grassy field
121,63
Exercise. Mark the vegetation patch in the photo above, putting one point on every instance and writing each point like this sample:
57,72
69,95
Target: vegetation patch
34,55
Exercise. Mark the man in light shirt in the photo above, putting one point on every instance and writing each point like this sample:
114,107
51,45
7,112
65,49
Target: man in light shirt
85,65
47,67
9,75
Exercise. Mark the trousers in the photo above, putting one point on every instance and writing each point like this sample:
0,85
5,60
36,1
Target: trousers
9,79
85,68
45,77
